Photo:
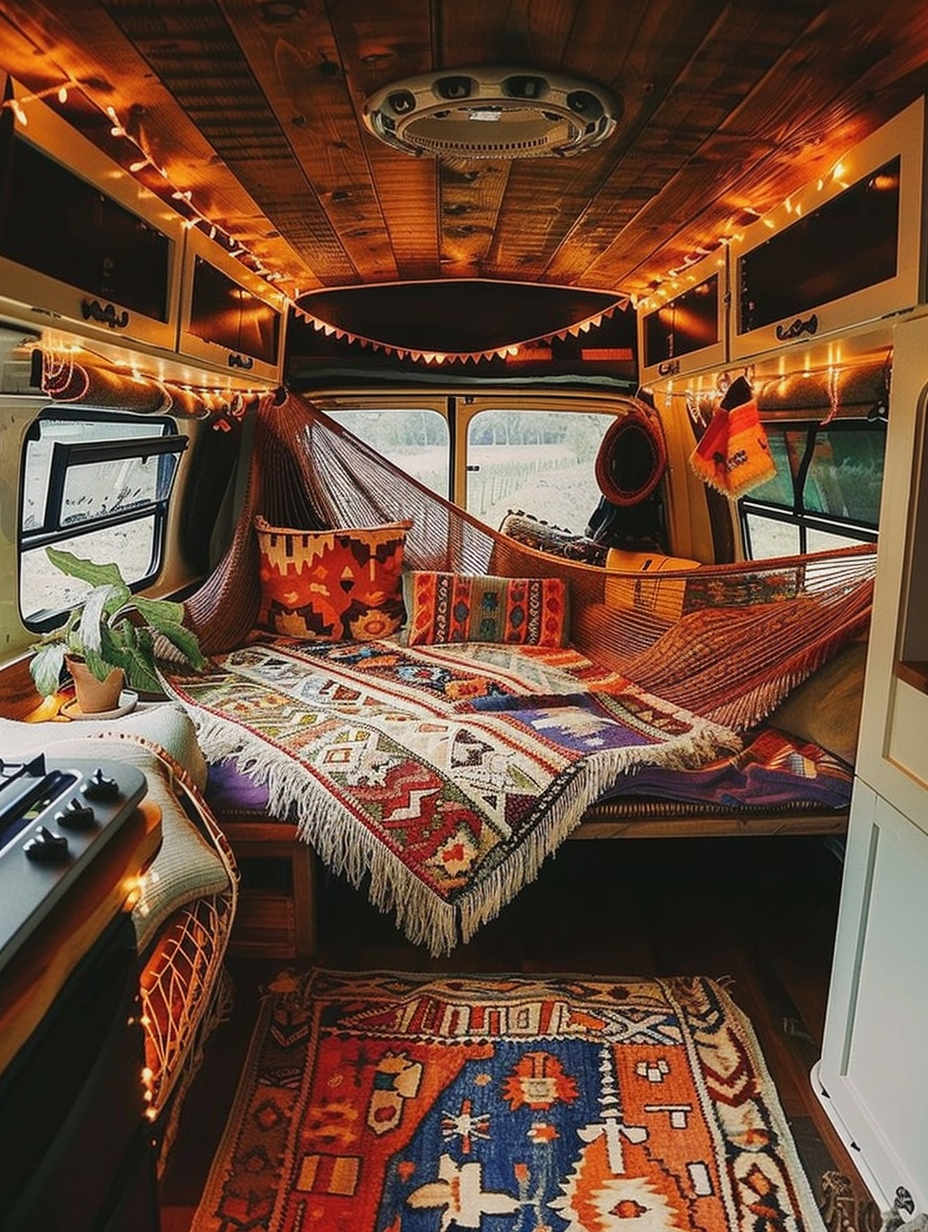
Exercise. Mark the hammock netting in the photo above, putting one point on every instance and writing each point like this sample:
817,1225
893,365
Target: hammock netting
727,642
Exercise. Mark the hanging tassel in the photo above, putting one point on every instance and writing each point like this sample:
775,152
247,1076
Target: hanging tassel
708,458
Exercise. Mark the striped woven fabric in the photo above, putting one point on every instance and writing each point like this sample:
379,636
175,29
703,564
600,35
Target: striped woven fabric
458,607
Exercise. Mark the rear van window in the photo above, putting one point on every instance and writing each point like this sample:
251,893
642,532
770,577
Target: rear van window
539,461
416,440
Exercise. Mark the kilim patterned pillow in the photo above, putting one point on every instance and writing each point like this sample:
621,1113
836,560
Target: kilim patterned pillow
456,607
331,585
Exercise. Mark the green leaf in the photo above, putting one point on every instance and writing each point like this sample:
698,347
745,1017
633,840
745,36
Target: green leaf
112,648
159,612
120,597
99,666
140,665
86,570
144,642
141,678
46,666
184,640
102,630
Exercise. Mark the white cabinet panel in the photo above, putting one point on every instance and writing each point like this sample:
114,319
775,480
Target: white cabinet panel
874,1067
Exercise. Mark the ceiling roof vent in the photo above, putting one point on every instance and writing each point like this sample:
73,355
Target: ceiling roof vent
492,113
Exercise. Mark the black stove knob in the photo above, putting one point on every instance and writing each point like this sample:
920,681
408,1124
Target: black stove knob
76,816
100,787
47,847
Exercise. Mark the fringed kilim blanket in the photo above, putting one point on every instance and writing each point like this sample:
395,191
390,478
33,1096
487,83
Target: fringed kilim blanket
441,778
384,1102
771,772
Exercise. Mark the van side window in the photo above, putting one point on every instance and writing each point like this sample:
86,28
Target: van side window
825,494
96,485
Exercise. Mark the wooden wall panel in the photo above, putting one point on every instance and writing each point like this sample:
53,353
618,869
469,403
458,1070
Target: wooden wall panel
297,63
191,47
551,199
740,47
780,137
43,44
378,44
522,32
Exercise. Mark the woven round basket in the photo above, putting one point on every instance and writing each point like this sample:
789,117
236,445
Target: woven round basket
631,459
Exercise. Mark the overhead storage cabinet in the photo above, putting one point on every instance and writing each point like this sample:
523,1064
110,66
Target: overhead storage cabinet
83,245
231,319
845,251
689,331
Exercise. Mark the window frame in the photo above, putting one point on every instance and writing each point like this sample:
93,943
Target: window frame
347,401
66,455
561,408
803,519
687,523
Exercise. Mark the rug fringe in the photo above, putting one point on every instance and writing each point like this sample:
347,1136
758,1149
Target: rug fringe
594,776
351,850
338,839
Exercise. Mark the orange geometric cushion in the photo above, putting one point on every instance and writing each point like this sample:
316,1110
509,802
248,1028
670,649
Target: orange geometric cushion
331,585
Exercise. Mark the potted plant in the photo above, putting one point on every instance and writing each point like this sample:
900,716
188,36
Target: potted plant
108,639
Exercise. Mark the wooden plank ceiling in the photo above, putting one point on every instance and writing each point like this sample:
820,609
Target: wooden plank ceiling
253,107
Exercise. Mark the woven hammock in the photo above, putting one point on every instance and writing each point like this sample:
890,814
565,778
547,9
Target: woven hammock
727,642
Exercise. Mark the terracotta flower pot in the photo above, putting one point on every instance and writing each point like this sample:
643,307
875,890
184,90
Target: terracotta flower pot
95,696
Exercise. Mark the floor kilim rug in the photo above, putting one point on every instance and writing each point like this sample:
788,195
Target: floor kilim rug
383,1102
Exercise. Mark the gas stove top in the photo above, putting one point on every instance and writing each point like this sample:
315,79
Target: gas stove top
56,816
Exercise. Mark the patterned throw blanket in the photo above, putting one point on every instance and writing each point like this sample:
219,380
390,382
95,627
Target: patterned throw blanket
773,771
438,777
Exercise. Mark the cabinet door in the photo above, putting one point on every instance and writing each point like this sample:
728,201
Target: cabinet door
874,1069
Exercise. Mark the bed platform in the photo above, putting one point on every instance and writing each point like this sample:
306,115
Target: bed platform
432,707
658,819
277,915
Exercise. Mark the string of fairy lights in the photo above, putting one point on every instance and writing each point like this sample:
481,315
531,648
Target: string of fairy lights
184,197
660,290
185,202
681,276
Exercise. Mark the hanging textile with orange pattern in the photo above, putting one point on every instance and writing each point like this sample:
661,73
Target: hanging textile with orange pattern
733,454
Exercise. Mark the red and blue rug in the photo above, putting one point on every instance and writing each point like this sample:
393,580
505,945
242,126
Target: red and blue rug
385,1102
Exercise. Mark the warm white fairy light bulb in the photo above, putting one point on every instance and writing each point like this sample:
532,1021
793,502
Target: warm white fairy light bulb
237,249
